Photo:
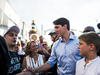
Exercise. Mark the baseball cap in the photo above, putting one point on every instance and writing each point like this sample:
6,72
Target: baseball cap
52,32
14,28
89,29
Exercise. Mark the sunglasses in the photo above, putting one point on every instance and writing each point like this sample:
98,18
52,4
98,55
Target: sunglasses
87,31
44,44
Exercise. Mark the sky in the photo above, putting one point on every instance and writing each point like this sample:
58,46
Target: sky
80,13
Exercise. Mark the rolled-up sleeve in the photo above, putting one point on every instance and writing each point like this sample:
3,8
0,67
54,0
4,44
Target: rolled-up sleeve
53,59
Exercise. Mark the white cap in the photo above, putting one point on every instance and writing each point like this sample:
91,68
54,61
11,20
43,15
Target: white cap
14,28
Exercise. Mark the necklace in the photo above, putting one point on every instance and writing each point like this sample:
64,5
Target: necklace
35,62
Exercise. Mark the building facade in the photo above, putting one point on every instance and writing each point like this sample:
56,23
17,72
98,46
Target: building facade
9,17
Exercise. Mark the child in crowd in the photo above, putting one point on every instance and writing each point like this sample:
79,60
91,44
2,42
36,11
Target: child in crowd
89,45
33,37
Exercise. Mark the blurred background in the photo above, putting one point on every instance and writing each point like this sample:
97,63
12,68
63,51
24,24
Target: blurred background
36,16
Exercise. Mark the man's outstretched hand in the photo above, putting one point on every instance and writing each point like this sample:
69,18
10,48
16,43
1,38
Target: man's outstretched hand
29,68
27,71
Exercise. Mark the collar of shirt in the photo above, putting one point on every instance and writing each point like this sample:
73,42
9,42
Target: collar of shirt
87,67
71,37
91,61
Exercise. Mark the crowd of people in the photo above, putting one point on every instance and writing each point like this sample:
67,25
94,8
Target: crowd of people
67,55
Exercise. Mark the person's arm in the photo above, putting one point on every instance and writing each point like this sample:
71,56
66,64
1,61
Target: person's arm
45,51
25,73
24,67
42,68
4,57
44,58
45,72
24,63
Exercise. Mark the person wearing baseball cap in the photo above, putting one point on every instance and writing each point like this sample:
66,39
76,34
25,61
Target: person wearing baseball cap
13,66
89,29
5,56
10,36
13,28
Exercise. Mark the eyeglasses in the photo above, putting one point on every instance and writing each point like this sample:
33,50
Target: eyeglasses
44,44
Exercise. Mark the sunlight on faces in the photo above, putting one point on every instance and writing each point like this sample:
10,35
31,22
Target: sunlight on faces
83,48
11,38
59,29
33,47
33,37
41,38
44,45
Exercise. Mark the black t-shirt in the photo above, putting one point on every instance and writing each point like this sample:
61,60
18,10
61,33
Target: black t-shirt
15,66
4,57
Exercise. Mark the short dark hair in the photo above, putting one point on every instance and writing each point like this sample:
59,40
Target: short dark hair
91,38
62,21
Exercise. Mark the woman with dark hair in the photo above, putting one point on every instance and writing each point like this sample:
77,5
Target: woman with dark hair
32,58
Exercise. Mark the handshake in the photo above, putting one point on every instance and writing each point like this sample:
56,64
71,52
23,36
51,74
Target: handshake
27,71
31,71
